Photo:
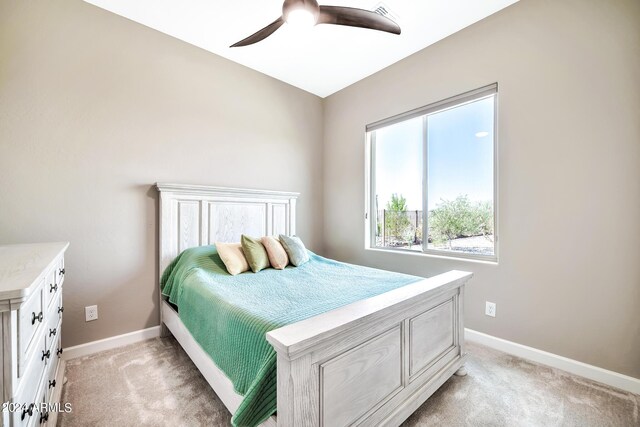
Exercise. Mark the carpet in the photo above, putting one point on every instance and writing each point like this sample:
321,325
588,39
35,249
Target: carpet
154,383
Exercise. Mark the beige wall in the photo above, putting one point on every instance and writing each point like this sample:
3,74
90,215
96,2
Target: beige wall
568,280
94,109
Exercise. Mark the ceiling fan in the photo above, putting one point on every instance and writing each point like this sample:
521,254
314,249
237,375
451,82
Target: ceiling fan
309,13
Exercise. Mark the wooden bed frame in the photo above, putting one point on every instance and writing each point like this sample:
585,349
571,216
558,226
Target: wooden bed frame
372,362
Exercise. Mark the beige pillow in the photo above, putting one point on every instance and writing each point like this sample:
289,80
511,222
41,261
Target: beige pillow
277,255
233,257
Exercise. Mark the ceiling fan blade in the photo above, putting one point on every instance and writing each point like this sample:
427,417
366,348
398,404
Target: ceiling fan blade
352,17
260,35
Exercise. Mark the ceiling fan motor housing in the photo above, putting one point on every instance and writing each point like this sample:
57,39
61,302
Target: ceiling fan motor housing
310,6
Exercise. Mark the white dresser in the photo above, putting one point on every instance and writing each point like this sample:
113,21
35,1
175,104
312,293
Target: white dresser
31,278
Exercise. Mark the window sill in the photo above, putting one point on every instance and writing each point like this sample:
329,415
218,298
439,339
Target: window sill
464,258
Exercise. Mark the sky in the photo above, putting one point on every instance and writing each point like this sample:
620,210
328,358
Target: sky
459,161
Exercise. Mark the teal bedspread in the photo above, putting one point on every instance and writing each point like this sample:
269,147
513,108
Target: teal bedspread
230,315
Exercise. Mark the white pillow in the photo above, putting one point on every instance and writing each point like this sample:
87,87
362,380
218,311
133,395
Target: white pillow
296,251
233,257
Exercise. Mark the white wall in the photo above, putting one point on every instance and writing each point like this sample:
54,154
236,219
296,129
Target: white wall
568,278
94,109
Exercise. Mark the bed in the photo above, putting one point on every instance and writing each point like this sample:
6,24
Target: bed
324,344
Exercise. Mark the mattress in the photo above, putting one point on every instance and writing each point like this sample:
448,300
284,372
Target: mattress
230,315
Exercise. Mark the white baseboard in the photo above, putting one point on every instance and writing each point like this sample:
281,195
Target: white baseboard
610,378
109,343
613,379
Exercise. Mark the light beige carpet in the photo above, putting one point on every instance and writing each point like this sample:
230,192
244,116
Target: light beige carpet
154,383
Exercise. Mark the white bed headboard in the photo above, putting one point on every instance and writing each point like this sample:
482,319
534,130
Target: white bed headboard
196,215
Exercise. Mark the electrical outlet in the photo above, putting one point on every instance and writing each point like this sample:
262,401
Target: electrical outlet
91,313
490,309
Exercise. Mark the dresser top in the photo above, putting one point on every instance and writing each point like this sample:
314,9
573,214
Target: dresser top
21,266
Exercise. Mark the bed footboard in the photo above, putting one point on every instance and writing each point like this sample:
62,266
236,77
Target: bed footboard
373,362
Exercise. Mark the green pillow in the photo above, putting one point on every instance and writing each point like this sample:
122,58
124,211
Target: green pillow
294,247
256,254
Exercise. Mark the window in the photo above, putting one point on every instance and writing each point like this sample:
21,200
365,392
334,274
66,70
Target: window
431,178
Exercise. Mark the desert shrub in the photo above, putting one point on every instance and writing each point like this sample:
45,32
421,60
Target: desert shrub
453,219
397,223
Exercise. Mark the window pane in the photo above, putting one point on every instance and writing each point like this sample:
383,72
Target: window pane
398,185
460,177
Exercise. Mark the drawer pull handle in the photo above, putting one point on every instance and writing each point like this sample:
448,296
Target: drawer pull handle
27,411
59,352
53,288
52,332
37,317
60,309
61,272
44,417
52,383
47,354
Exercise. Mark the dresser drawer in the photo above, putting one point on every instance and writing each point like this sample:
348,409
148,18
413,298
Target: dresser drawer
52,318
30,385
59,271
27,417
51,287
52,370
56,309
43,415
53,343
30,322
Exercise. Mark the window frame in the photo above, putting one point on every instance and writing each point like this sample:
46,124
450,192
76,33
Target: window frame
370,178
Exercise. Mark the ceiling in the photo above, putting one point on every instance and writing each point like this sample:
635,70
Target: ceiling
321,60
